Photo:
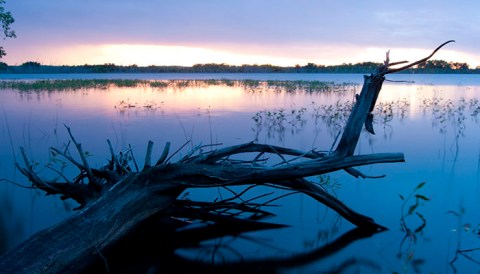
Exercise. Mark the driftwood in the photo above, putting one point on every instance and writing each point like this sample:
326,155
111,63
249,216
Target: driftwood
116,199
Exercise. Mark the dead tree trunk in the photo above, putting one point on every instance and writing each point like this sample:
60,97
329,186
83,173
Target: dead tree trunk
115,199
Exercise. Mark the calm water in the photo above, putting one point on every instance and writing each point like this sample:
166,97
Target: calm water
433,121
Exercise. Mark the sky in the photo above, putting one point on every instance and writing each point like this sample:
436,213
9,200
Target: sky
277,32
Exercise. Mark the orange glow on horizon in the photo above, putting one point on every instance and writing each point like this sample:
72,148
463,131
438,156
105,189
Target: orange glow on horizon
146,55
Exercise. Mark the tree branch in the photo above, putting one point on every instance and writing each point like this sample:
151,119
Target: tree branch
388,70
148,156
164,155
92,181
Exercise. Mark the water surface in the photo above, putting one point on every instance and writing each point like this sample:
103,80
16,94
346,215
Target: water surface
434,121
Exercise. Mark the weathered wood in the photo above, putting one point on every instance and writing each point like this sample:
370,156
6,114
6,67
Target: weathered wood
115,199
362,110
138,196
372,85
69,246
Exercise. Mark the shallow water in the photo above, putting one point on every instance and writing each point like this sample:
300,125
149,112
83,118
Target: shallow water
434,122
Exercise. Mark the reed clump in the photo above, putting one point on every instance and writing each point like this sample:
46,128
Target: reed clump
69,84
247,84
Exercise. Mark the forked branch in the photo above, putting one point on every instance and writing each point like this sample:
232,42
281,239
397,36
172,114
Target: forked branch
389,70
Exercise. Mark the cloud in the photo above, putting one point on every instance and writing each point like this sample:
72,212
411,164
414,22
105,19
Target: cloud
274,26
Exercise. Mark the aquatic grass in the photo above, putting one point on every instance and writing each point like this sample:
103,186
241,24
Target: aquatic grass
447,112
248,84
386,111
309,86
474,107
412,223
128,83
332,117
419,200
276,121
159,84
68,85
251,83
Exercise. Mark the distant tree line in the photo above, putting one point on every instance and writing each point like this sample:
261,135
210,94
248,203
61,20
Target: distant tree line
431,66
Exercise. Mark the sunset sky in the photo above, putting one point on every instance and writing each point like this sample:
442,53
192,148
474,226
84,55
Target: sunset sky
278,32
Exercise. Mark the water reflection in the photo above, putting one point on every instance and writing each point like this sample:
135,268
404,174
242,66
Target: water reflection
156,245
332,117
466,242
436,126
11,226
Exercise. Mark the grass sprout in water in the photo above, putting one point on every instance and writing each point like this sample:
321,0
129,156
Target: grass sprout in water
447,112
413,201
69,85
124,105
333,117
412,227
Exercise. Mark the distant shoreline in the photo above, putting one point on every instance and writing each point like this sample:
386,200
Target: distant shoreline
430,67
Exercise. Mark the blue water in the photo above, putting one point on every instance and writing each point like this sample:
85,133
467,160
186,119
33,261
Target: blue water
435,123
439,79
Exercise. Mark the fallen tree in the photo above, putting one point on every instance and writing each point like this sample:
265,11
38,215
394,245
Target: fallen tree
115,199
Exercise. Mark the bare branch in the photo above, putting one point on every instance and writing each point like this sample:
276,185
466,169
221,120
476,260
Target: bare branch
133,157
28,171
148,155
356,173
114,161
164,155
388,71
253,147
69,158
176,151
59,173
319,194
397,63
91,178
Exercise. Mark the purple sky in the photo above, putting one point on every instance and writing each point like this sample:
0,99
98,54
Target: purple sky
168,32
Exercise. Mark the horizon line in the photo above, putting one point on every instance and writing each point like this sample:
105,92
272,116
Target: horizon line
222,64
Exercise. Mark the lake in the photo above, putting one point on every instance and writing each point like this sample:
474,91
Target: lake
433,119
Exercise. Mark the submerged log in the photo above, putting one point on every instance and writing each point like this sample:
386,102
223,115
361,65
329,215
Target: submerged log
116,198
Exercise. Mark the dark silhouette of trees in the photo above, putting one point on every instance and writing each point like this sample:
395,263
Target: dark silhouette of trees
431,66
435,66
3,66
31,64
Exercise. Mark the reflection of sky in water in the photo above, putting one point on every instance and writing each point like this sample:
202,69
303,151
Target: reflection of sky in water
441,148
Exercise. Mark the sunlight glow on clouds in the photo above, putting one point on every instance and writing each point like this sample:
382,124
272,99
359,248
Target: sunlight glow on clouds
144,55
274,32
